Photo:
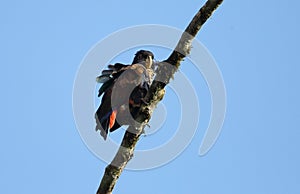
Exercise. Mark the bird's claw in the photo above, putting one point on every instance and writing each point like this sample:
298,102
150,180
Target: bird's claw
144,101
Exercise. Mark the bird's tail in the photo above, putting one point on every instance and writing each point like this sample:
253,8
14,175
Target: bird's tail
107,122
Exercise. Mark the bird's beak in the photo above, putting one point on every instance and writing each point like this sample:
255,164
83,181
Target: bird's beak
149,62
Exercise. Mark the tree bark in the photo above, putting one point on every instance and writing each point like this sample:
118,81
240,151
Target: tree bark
154,95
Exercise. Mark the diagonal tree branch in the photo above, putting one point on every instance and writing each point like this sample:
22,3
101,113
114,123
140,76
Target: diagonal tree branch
155,94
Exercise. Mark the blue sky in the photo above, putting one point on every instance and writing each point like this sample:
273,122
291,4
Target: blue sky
255,45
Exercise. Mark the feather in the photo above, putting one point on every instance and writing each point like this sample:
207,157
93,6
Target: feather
112,118
105,86
117,66
107,72
103,78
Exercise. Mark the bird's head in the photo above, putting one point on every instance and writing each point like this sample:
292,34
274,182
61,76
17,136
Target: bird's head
144,57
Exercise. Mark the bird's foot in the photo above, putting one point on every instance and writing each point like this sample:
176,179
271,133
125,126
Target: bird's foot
144,131
144,101
146,114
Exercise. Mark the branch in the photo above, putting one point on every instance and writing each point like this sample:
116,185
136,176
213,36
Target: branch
155,94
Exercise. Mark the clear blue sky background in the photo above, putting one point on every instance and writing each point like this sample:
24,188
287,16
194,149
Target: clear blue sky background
256,45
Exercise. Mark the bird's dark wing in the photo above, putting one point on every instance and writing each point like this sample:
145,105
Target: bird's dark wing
108,77
123,90
103,113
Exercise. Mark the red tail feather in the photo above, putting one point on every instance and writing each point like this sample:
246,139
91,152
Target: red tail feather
112,118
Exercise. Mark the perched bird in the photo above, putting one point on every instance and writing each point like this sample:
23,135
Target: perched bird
123,89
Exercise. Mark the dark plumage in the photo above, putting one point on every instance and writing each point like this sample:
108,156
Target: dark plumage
123,89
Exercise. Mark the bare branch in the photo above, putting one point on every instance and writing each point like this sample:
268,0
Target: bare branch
154,95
